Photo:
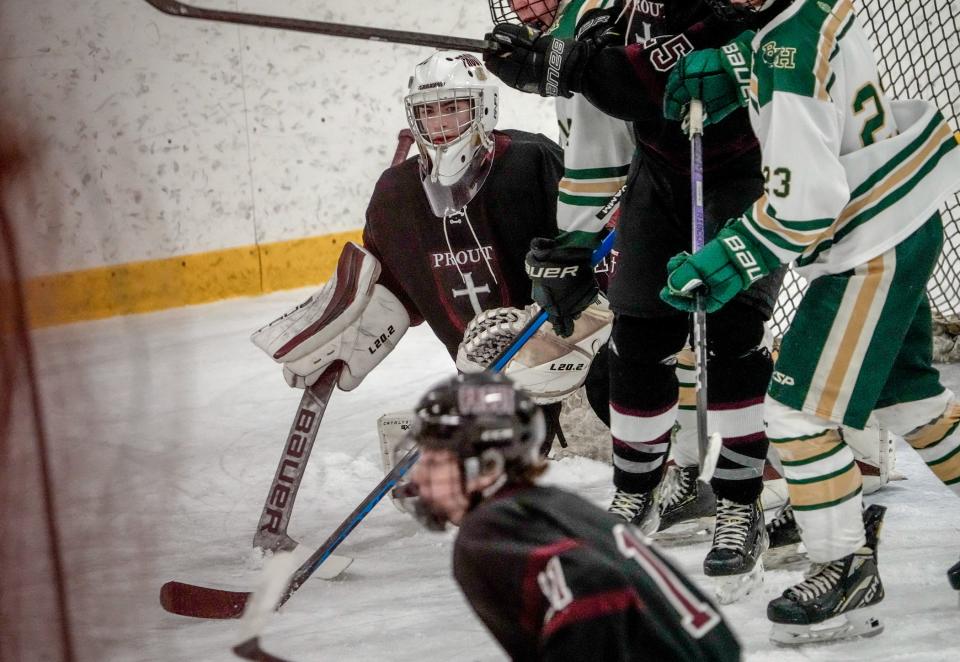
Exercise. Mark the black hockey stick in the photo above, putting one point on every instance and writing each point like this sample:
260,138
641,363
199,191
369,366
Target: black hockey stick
175,8
708,444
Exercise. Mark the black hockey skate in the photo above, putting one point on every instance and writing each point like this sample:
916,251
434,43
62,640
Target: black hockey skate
735,561
784,536
640,509
834,601
687,508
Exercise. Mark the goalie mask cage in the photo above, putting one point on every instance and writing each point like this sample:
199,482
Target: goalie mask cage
917,44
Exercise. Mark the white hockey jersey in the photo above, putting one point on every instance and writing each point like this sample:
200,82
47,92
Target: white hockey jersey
597,148
849,173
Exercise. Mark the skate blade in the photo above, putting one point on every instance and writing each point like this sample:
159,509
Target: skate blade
686,533
857,623
730,588
787,557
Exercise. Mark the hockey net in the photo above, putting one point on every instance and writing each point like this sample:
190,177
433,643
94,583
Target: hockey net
917,43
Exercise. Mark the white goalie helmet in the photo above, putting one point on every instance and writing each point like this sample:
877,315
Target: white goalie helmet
452,108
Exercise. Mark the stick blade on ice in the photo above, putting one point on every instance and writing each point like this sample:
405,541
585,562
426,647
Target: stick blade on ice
333,566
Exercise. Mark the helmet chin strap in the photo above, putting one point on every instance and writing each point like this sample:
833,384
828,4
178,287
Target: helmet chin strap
490,462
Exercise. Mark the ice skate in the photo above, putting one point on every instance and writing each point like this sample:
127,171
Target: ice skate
835,600
735,561
784,536
687,508
640,509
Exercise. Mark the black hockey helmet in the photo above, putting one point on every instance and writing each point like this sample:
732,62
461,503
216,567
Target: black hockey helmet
474,413
729,12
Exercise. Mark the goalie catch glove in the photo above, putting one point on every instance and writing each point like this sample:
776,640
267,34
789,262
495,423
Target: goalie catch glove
547,367
351,320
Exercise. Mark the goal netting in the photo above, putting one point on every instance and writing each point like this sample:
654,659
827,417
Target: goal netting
917,43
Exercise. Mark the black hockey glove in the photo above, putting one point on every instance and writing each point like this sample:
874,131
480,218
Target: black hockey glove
601,28
563,281
530,61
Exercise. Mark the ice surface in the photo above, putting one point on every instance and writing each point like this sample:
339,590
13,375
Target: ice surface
166,431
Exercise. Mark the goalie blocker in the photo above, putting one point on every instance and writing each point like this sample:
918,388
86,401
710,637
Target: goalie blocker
351,320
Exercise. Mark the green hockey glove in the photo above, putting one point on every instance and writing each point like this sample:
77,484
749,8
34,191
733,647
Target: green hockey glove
719,77
726,265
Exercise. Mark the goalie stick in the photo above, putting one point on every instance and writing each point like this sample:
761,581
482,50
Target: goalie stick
271,531
443,42
708,444
271,534
206,602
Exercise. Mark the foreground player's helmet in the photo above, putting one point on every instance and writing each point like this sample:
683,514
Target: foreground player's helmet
452,107
731,11
476,414
539,14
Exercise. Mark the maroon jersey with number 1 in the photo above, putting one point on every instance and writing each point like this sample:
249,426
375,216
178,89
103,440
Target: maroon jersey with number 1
554,577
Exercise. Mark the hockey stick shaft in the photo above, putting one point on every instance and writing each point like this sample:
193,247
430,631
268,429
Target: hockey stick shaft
349,524
707,445
533,325
272,528
174,8
404,142
271,531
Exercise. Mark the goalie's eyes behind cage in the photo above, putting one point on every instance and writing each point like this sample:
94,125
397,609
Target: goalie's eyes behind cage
445,120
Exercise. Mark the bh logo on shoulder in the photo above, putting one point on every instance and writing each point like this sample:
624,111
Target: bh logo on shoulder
779,57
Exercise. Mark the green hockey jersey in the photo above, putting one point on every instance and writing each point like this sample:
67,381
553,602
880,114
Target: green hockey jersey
849,172
597,148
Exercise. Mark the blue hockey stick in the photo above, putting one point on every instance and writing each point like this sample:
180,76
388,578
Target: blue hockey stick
205,602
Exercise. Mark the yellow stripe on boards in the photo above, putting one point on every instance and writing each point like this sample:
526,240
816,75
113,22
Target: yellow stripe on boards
140,287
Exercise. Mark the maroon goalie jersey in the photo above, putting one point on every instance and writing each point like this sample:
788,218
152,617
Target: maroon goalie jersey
553,577
446,270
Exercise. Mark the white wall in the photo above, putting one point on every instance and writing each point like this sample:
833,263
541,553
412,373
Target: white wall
162,136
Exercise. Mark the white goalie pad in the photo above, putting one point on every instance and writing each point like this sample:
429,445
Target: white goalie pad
394,444
547,367
873,447
350,319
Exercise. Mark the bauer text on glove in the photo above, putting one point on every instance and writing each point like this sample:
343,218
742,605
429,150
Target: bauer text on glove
563,281
530,61
718,77
726,265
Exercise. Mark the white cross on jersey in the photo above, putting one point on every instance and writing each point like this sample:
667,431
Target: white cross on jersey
471,291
